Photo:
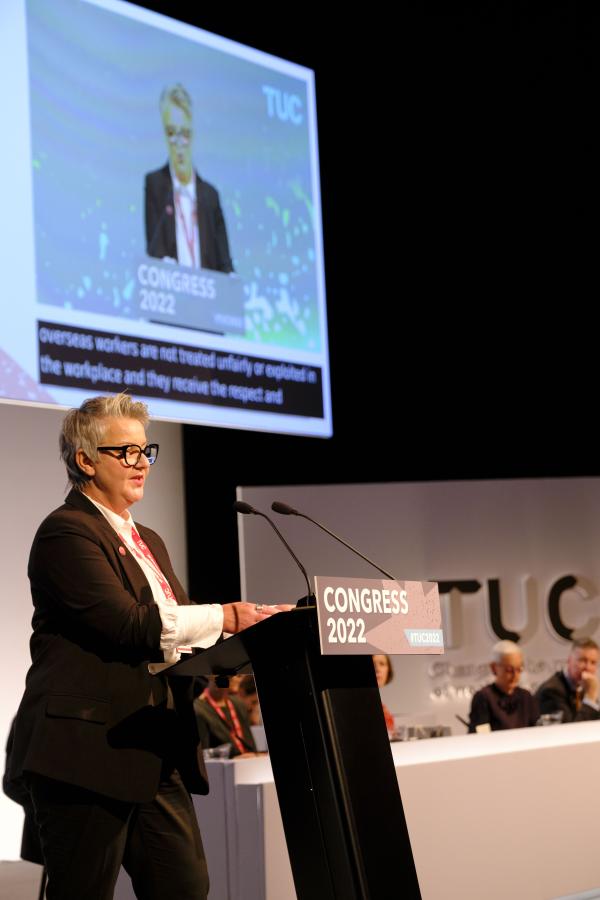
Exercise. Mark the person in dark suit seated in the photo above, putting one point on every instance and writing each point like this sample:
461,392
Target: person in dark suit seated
503,704
104,740
183,215
222,719
574,690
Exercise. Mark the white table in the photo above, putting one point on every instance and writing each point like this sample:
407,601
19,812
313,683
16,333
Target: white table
507,814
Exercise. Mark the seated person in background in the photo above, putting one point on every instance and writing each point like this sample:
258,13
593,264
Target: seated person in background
222,719
503,704
234,684
248,695
384,674
574,691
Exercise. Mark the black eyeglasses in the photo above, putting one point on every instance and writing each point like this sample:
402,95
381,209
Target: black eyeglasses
132,453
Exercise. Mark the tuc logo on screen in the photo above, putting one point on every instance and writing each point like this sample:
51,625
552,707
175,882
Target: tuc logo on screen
283,106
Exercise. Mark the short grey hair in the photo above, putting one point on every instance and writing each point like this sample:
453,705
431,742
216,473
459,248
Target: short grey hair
175,95
505,648
83,429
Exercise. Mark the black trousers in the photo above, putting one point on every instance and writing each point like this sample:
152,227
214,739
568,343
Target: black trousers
86,837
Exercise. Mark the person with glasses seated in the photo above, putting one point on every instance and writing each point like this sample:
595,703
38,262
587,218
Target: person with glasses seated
574,690
104,740
503,704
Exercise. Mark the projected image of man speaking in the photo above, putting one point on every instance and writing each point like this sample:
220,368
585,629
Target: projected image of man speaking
184,220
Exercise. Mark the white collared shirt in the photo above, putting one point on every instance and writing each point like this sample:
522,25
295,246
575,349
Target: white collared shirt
187,234
182,626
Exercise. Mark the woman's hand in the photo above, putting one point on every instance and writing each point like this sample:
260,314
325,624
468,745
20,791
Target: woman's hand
237,616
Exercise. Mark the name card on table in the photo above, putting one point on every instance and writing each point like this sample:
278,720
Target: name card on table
375,615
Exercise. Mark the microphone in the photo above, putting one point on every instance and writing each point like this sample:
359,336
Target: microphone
285,510
246,509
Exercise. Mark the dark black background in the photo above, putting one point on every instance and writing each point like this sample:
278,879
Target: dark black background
459,181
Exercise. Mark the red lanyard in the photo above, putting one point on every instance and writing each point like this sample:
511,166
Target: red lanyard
235,729
189,238
145,551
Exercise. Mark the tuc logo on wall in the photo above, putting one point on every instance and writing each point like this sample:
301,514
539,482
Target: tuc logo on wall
453,592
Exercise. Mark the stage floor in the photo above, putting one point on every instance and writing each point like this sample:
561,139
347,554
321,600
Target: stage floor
19,880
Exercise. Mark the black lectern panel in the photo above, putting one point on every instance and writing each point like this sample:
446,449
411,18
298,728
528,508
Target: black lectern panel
331,759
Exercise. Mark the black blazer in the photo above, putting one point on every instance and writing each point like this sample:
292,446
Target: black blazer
92,715
160,221
556,694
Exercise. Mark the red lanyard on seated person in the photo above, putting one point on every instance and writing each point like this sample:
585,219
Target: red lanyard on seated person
234,728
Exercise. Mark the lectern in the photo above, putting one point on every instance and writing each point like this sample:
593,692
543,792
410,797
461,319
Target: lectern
332,765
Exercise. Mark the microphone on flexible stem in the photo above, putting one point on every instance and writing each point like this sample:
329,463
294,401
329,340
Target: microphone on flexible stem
285,510
245,509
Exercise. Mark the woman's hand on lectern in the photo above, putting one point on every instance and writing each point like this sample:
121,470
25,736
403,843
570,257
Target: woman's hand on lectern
237,616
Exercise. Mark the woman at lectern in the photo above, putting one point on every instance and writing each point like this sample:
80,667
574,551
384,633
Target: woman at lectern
104,740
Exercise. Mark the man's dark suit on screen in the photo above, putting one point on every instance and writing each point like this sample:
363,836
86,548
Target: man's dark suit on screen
92,718
161,228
